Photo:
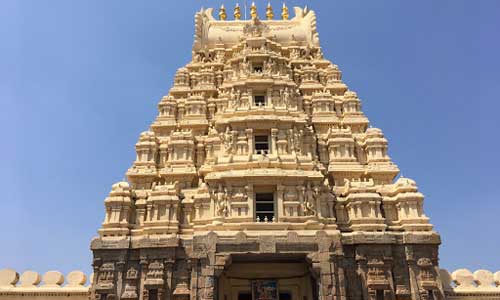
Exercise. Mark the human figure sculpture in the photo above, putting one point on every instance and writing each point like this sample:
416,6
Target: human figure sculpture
309,201
221,202
227,137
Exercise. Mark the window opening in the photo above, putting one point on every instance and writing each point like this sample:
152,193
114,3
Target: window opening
259,100
264,207
262,144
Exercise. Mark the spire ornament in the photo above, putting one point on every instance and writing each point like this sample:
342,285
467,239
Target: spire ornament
269,11
237,12
253,10
222,13
284,12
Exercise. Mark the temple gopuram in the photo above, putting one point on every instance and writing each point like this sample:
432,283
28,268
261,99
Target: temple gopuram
262,179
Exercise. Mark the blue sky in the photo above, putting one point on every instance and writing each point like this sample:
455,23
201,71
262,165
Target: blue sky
79,80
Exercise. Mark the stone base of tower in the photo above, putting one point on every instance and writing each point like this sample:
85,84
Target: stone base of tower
370,266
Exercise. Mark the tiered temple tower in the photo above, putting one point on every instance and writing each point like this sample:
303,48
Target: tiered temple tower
262,179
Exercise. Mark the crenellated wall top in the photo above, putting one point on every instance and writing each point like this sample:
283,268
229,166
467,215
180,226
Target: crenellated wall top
51,281
463,281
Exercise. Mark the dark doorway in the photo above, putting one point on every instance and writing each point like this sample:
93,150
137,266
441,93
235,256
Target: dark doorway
285,296
245,296
153,294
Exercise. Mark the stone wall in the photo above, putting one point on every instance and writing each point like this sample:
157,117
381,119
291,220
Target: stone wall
459,285
52,285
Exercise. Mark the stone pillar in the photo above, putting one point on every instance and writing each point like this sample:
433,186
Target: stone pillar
274,133
325,266
195,269
301,191
208,281
169,264
341,280
362,271
269,96
96,262
412,271
251,201
120,265
279,202
249,134
143,293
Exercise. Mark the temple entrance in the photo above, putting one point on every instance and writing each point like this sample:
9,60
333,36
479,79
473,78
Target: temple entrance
267,277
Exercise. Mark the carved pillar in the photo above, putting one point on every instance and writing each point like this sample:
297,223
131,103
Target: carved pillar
143,292
340,273
269,95
96,263
195,269
362,273
279,201
412,270
301,191
274,133
120,265
251,201
208,279
326,268
249,134
317,198
169,264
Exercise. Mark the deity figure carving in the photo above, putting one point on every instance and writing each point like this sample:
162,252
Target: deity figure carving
244,66
221,202
228,140
212,131
295,140
309,208
132,273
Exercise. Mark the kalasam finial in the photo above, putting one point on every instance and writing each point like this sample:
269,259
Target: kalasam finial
284,12
222,13
253,10
237,12
269,11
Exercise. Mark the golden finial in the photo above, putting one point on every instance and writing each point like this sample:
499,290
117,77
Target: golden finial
222,13
284,12
269,11
237,12
253,10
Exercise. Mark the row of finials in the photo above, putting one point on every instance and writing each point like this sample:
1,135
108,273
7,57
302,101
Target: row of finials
253,12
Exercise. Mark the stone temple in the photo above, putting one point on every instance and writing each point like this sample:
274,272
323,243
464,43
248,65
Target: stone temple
261,179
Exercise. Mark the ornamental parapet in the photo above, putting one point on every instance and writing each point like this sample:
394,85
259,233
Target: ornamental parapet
462,284
52,285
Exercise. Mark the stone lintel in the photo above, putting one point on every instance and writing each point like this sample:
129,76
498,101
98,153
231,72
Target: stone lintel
391,238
